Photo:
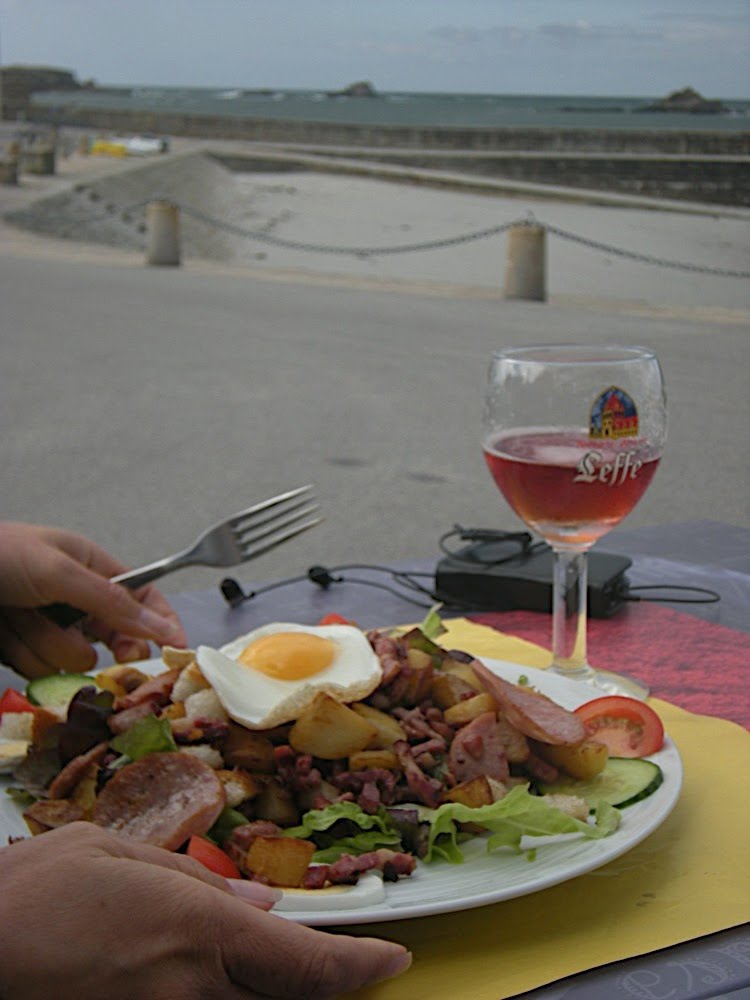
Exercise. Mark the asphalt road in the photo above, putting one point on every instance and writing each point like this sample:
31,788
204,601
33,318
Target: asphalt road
139,405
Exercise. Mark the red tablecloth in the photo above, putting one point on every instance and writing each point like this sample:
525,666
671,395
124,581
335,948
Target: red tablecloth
697,665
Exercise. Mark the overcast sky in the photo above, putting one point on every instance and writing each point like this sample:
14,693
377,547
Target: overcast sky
606,47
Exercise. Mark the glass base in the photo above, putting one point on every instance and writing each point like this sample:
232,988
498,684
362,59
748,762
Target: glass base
607,682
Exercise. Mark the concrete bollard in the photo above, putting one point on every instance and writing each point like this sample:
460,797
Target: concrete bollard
525,268
39,160
8,171
163,227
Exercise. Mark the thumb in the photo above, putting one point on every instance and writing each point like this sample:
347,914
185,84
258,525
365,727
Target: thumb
286,960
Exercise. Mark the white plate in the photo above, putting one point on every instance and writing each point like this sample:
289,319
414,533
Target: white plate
485,878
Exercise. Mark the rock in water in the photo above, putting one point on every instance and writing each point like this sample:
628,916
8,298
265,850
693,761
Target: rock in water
689,101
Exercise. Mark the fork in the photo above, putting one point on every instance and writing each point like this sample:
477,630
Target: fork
237,539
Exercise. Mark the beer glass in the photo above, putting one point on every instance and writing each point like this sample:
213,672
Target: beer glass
573,435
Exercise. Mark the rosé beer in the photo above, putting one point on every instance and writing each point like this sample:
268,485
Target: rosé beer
569,488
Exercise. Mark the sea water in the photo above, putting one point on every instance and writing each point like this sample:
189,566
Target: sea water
405,108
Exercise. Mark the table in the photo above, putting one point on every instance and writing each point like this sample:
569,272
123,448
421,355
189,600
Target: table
704,554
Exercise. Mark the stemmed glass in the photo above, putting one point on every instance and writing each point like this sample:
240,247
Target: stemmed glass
573,435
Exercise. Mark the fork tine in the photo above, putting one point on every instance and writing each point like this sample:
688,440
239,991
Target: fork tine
269,527
272,539
267,504
252,522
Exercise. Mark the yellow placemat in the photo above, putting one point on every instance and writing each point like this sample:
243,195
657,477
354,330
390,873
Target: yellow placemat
689,878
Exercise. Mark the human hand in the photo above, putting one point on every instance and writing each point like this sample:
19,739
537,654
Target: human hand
39,566
88,914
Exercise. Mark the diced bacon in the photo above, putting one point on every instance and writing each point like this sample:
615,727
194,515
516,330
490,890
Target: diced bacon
391,863
121,721
156,689
426,790
540,769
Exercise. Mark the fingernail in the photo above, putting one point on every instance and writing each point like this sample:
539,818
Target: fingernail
254,892
161,627
398,964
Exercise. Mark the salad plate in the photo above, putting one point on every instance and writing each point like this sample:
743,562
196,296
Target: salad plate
482,878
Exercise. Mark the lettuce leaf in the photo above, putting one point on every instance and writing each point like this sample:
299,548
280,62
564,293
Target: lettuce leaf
375,830
432,625
516,815
227,820
149,735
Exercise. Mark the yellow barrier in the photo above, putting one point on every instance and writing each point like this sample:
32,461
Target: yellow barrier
102,148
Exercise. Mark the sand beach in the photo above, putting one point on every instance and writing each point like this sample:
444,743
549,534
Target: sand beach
141,403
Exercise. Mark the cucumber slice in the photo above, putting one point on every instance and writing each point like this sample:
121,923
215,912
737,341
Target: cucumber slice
623,781
56,690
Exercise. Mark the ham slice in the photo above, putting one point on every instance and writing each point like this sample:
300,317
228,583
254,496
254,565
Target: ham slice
477,749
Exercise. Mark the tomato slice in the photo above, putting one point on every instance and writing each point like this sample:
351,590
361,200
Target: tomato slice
626,726
212,857
14,701
334,619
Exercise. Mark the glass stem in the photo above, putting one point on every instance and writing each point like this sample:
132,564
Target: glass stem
569,605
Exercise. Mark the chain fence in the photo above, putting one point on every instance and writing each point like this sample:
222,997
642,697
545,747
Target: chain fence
125,213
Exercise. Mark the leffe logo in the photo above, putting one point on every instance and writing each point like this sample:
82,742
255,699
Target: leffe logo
593,469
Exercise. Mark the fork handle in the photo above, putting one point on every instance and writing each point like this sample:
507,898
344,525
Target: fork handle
135,578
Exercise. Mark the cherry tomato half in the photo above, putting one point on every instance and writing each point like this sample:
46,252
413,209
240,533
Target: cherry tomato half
626,726
14,701
334,619
212,857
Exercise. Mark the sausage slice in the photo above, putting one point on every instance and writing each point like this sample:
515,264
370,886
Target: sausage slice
536,715
161,799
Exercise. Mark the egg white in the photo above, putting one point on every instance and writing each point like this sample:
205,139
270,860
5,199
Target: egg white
258,701
368,891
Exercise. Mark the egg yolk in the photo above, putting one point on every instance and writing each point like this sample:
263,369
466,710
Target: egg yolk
289,656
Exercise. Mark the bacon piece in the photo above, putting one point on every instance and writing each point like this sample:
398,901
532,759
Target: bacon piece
156,689
391,863
296,771
533,713
161,799
74,770
427,790
187,731
121,721
540,769
477,749
372,788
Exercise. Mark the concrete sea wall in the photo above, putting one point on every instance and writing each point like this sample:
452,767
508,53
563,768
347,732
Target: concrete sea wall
478,138
694,166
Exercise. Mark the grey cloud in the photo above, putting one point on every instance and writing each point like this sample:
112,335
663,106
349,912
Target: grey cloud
585,30
460,35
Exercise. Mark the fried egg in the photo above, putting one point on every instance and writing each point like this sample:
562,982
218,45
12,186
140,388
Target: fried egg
272,674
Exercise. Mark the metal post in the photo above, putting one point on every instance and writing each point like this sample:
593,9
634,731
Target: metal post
163,227
525,269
